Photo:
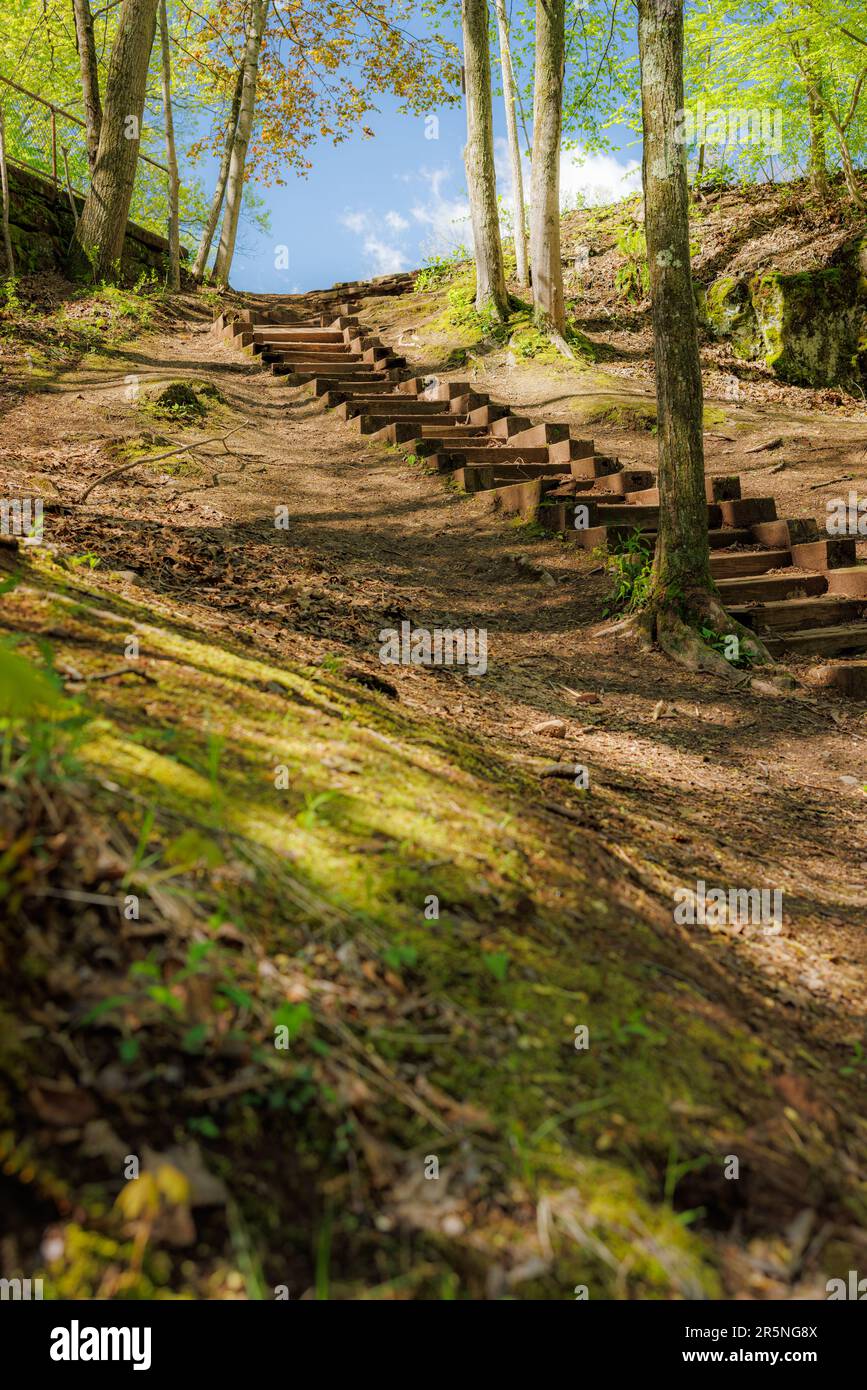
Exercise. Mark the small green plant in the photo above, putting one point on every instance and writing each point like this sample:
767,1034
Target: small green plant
858,1064
721,642
630,565
9,298
311,814
497,962
400,957
631,280
438,270
88,558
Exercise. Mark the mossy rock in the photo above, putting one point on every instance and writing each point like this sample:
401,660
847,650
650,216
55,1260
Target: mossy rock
729,313
811,323
185,399
620,415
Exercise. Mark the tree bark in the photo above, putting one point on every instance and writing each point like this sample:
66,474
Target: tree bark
514,147
491,293
850,175
237,161
818,145
101,229
549,308
683,595
89,77
171,153
220,186
4,197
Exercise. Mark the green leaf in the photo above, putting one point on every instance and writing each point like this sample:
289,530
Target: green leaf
293,1017
195,1038
498,964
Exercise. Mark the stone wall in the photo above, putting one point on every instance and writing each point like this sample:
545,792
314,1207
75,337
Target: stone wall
41,226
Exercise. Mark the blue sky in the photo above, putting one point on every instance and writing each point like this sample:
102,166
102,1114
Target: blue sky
370,206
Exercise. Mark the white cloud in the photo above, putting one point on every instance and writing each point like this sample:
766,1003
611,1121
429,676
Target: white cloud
598,178
447,219
440,213
385,259
383,255
357,222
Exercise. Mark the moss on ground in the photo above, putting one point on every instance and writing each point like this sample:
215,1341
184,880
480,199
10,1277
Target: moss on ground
283,832
466,328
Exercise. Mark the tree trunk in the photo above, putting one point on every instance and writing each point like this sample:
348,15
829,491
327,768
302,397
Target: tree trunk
479,161
850,175
101,229
549,309
238,158
4,191
683,595
514,147
171,153
220,187
816,117
818,150
89,77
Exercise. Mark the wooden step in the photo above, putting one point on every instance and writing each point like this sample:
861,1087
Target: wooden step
851,581
760,588
835,552
269,333
479,477
721,536
779,615
334,369
389,408
392,430
484,454
732,564
821,641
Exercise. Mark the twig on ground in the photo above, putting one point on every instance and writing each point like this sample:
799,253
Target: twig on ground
115,671
156,458
829,482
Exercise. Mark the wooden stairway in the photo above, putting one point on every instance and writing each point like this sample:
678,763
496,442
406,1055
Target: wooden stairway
800,592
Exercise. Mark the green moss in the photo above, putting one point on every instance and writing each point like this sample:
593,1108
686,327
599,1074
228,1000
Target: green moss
517,331
729,313
382,809
810,324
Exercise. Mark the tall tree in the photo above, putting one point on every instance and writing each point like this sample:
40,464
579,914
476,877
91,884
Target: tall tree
102,226
222,176
479,161
86,45
549,306
514,146
238,159
683,595
4,191
171,153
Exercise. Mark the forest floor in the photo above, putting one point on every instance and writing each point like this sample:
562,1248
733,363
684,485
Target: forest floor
299,900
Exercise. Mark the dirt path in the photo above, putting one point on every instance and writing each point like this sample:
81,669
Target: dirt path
706,783
731,789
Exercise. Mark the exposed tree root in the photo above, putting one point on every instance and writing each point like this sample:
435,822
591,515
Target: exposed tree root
676,630
560,343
